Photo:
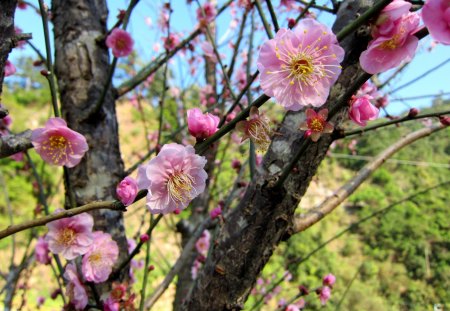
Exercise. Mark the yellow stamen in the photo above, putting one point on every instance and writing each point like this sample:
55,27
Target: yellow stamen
179,187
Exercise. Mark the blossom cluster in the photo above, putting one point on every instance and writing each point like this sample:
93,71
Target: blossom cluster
73,237
393,38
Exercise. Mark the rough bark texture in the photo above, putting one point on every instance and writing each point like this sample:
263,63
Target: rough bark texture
264,216
81,67
7,9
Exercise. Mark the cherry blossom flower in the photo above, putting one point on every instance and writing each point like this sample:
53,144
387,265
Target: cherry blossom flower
386,22
98,261
70,237
436,16
361,110
127,190
10,69
329,280
171,41
257,129
386,52
120,42
324,294
75,290
207,13
40,301
200,125
195,268
298,67
59,145
316,124
202,244
173,178
41,252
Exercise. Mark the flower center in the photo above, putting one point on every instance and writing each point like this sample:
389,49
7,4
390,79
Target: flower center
316,125
259,132
120,44
56,147
67,236
179,187
390,44
301,67
95,258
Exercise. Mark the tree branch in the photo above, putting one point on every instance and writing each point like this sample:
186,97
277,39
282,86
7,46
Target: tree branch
303,222
111,205
14,143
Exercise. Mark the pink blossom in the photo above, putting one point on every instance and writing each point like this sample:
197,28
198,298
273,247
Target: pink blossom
298,67
436,16
171,41
127,190
207,13
70,237
59,145
362,110
75,290
202,244
368,88
324,295
386,52
173,178
386,22
329,280
216,212
41,251
10,69
120,42
200,125
111,305
208,51
316,124
99,260
257,128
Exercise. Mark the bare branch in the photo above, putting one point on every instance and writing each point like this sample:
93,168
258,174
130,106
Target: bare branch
111,205
14,143
303,222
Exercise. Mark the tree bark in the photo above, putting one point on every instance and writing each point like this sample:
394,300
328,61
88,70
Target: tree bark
264,216
7,9
81,67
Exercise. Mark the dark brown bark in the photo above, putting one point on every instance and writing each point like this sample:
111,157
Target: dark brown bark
81,67
264,216
7,9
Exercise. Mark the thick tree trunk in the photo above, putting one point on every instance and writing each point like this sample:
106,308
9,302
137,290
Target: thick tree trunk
7,9
264,216
81,67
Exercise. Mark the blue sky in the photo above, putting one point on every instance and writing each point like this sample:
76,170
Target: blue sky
183,21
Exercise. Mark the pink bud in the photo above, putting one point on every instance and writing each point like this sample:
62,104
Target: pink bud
144,237
329,280
444,120
177,211
413,112
127,190
151,268
216,212
362,110
291,23
200,125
